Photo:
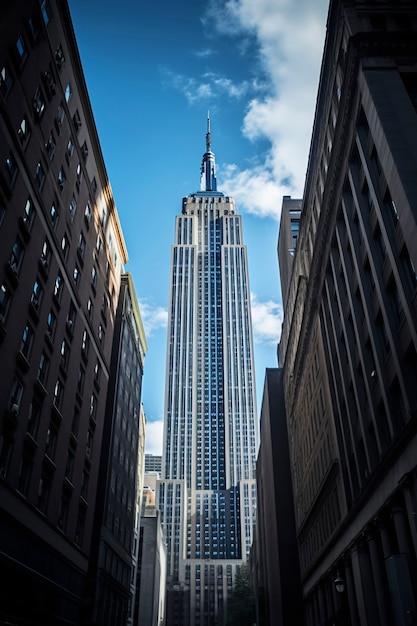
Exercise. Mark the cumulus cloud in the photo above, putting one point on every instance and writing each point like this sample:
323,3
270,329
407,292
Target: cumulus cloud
154,437
209,85
153,317
266,320
289,37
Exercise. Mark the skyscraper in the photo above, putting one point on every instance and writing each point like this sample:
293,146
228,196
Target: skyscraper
208,490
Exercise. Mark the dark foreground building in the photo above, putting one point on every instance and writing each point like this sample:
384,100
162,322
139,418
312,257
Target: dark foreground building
277,578
62,255
349,338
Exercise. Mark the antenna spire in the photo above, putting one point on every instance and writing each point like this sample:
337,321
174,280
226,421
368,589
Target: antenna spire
208,135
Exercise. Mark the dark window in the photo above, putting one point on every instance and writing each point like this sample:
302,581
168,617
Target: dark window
5,299
6,80
10,170
50,146
38,103
27,341
59,58
46,11
76,118
43,368
23,132
39,175
22,50
62,179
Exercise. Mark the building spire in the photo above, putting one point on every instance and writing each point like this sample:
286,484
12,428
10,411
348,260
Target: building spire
208,166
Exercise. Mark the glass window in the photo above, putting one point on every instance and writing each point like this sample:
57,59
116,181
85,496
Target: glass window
54,213
5,299
70,149
43,368
39,175
58,394
68,92
27,341
72,208
58,287
29,214
76,118
50,146
51,324
46,11
62,179
10,169
38,103
6,80
60,117
22,50
87,213
46,254
16,257
23,132
81,245
65,351
59,58
37,293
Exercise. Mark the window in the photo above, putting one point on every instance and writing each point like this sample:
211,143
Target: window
28,214
60,117
69,467
68,92
70,150
97,371
62,179
38,103
93,407
58,394
43,368
76,276
37,294
100,333
85,344
46,11
89,444
43,493
75,421
39,175
51,325
94,185
46,255
87,214
72,208
79,176
99,244
6,80
84,483
50,146
65,246
15,398
84,151
94,278
65,352
22,50
76,118
16,257
34,418
81,379
71,317
54,214
27,341
59,58
81,246
5,299
10,170
49,83
63,513
23,132
58,287
90,307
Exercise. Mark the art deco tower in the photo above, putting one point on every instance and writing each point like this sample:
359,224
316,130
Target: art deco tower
207,491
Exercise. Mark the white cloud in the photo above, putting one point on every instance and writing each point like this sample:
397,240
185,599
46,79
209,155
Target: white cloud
266,320
290,39
209,85
153,317
204,53
153,437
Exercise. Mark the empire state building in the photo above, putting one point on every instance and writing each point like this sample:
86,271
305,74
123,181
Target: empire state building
207,493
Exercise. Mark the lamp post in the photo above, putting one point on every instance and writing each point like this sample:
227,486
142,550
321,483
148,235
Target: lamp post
339,583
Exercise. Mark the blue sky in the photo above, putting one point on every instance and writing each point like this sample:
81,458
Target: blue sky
153,70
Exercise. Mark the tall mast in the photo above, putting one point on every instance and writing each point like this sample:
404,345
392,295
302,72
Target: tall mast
208,166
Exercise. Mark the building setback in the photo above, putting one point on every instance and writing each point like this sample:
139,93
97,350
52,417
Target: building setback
62,254
207,494
349,338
